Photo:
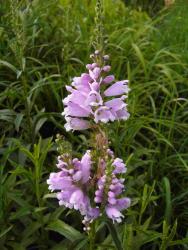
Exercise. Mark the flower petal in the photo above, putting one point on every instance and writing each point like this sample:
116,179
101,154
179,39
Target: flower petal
86,166
74,109
76,124
118,88
108,79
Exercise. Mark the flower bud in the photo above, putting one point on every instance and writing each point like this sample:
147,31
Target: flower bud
106,68
106,57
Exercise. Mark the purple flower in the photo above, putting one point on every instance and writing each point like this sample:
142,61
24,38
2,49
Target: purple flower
118,88
106,68
73,183
122,114
95,73
61,164
79,201
91,215
123,203
110,187
76,110
119,166
94,99
104,115
108,79
89,98
58,181
114,208
82,83
115,104
64,197
86,166
76,124
114,214
118,108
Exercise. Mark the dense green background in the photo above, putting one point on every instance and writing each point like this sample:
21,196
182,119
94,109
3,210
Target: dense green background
42,45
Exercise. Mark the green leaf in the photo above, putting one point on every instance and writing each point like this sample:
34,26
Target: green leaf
114,235
5,231
7,115
23,211
168,208
18,121
39,124
10,66
65,230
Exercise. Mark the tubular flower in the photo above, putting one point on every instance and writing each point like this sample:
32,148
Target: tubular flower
92,195
110,188
95,97
72,182
93,185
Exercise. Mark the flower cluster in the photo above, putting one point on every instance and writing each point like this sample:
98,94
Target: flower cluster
93,185
72,182
109,188
95,96
77,183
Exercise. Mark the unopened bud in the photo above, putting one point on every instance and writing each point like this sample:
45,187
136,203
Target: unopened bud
106,57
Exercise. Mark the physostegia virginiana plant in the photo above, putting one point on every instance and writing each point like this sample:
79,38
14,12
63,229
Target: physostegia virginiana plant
94,184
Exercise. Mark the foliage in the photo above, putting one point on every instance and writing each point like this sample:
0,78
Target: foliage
151,6
174,37
43,44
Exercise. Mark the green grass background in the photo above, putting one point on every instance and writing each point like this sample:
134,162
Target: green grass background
43,44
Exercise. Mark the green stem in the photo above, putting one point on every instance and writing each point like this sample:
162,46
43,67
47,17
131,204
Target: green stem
114,235
27,109
92,237
99,27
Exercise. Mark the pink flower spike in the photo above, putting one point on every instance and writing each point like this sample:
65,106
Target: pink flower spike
88,98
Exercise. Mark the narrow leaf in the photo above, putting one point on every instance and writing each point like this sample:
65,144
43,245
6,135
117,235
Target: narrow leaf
65,230
114,235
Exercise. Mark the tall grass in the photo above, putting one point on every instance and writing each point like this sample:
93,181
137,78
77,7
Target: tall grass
43,45
152,7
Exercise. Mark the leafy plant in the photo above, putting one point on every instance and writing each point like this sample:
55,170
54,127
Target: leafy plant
43,44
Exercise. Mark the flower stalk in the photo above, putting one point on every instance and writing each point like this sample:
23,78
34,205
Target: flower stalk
94,184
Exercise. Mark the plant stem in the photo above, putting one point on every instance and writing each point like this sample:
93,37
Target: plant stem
99,27
27,108
92,237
